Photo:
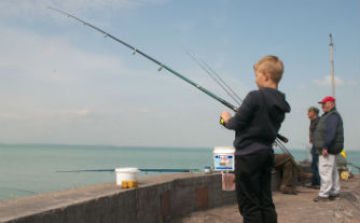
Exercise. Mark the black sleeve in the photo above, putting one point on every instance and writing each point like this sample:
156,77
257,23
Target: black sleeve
245,113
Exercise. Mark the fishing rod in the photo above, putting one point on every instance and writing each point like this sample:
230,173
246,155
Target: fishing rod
140,169
162,65
227,88
221,80
283,147
353,165
216,78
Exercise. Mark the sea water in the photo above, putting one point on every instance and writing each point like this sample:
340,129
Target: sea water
32,169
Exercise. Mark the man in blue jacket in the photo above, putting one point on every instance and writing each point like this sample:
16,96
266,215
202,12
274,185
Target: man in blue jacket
329,141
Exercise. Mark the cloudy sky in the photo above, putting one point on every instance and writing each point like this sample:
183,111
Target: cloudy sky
64,83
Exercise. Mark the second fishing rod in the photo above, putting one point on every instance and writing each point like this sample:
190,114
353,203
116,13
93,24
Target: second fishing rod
217,78
161,65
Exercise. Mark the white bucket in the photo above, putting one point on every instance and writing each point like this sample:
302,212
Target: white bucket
224,158
126,177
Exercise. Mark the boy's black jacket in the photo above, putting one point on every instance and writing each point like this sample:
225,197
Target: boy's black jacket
258,120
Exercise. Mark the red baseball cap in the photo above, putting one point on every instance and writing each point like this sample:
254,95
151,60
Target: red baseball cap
326,99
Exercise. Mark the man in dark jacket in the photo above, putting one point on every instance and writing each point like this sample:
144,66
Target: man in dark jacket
329,141
313,114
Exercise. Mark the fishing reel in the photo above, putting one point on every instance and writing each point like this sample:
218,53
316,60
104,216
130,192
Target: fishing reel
222,122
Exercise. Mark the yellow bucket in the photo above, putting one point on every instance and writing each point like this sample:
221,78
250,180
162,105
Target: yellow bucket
129,184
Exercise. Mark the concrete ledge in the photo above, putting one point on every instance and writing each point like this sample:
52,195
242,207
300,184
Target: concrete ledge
157,199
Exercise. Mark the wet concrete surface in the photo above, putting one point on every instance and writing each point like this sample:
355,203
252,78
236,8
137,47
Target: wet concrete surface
298,208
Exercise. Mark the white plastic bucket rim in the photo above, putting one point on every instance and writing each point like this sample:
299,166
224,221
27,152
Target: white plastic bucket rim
127,169
224,150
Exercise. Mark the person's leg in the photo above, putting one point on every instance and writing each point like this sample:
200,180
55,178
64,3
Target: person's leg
280,159
315,167
283,164
247,188
290,170
326,173
248,170
335,189
268,207
288,173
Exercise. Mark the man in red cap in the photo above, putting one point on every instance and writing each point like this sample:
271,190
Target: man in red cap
329,141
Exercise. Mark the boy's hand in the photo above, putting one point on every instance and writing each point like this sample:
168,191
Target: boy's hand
224,117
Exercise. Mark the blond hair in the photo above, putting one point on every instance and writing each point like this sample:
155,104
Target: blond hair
272,65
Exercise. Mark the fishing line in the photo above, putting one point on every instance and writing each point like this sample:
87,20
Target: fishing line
227,88
283,148
161,65
220,79
215,77
353,165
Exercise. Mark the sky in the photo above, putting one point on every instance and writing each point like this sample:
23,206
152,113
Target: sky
64,83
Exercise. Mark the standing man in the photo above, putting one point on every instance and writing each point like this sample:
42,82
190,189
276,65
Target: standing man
313,114
329,141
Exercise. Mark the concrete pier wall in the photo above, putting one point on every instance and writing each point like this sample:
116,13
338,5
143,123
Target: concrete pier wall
157,199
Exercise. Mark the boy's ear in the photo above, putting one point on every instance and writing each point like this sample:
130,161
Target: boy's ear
266,75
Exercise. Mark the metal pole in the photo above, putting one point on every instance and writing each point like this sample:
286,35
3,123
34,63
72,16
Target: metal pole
332,67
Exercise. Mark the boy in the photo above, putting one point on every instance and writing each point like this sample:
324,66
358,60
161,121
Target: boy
256,125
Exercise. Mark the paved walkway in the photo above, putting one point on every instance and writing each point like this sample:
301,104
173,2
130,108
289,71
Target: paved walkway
295,208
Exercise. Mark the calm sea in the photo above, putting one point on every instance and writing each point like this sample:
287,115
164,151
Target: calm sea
32,169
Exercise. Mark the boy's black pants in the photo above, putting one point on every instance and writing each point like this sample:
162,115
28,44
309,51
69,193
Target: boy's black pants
253,186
